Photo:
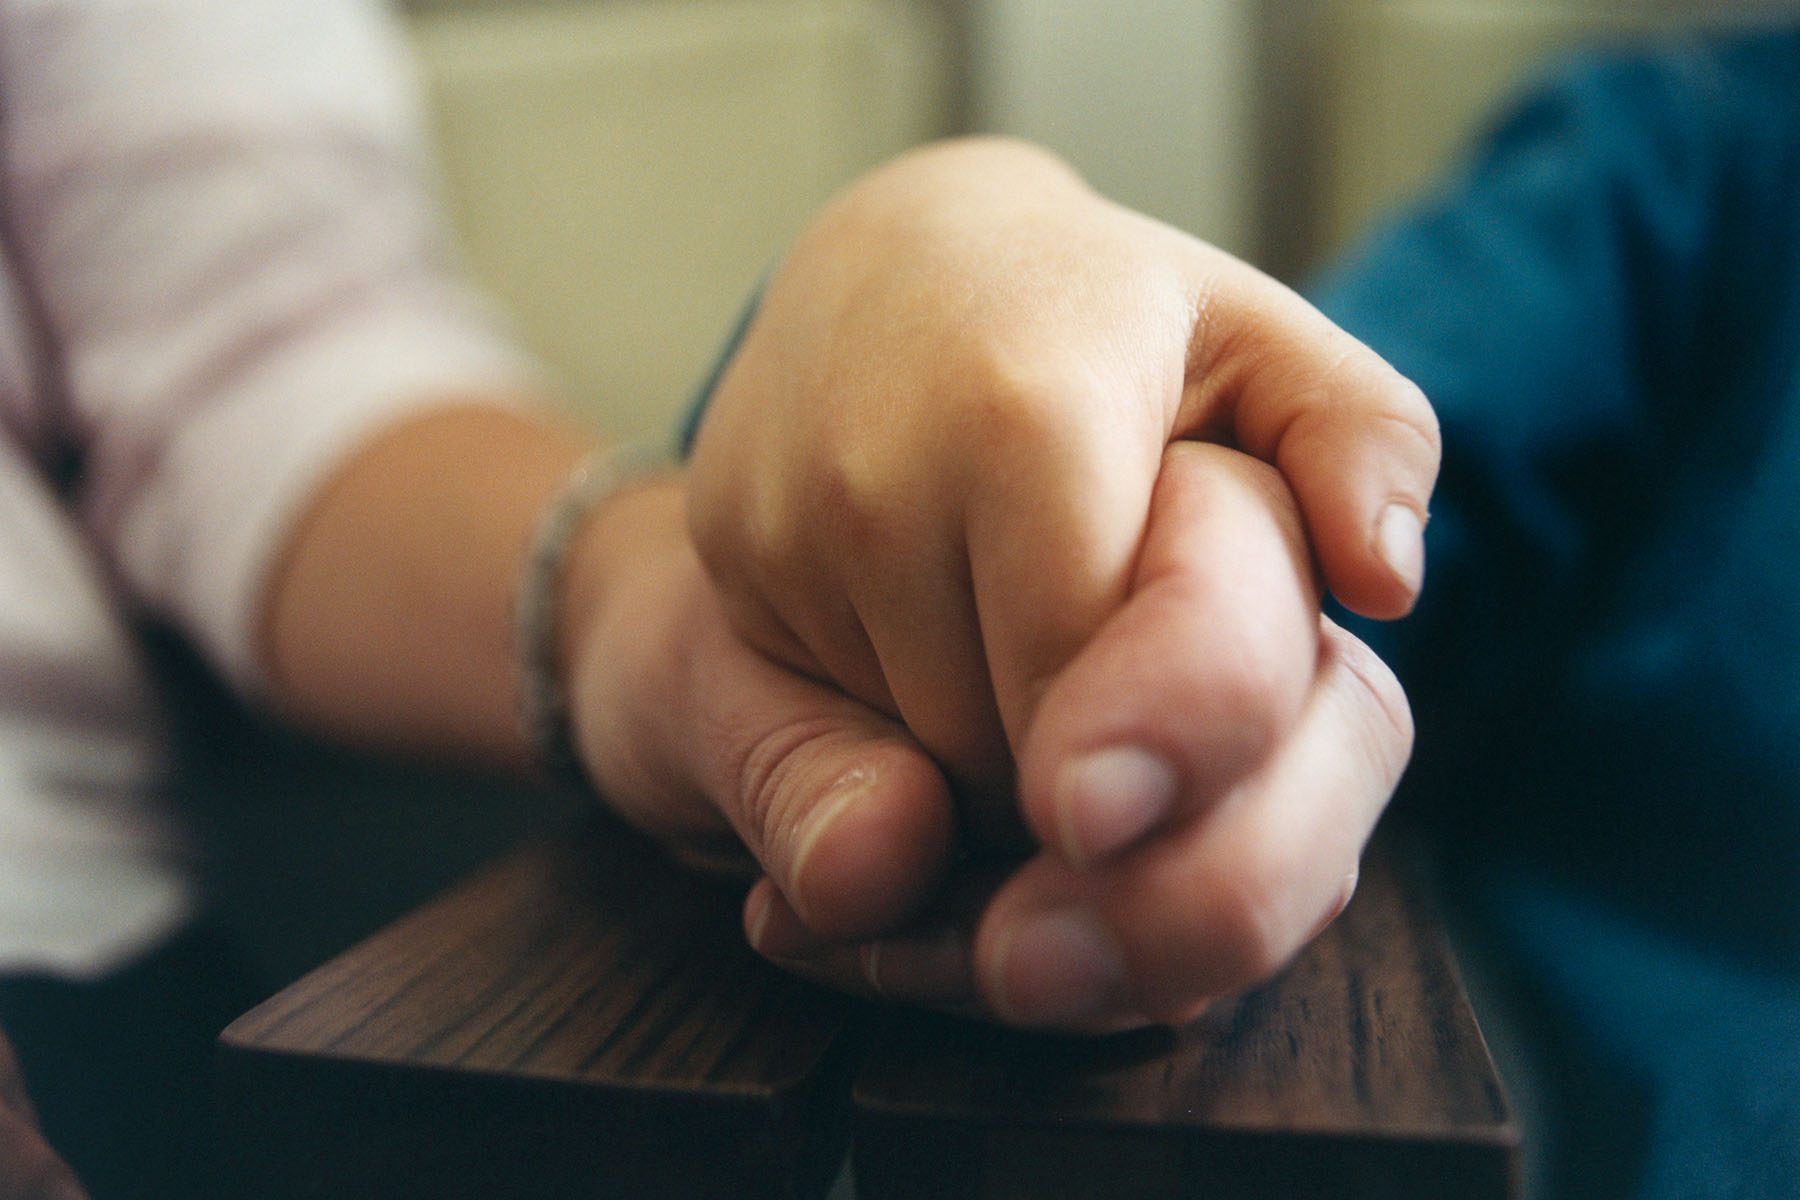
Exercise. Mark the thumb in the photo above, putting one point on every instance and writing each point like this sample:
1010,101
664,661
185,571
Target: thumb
852,821
1356,441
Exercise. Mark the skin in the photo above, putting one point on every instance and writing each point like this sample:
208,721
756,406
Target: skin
385,632
1006,533
1004,480
949,471
388,625
29,1168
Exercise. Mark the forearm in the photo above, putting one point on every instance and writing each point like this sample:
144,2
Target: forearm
388,620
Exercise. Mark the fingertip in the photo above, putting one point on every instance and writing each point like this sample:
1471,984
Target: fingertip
1060,968
1107,800
875,850
772,927
1378,572
1400,544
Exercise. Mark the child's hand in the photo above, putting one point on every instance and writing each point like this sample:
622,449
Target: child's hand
927,476
1250,862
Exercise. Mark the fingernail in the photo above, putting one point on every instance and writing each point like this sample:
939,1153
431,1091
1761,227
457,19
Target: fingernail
1346,893
928,969
1109,799
849,788
776,931
1057,969
1400,540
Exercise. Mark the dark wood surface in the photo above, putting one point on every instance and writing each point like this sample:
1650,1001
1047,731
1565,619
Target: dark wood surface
579,1020
583,1020
1359,1072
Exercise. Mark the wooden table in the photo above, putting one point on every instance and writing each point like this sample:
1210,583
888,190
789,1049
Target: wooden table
583,1019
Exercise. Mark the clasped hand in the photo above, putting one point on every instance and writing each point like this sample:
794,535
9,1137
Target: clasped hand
1009,523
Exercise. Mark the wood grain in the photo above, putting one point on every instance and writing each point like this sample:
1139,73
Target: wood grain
1358,1073
580,1020
584,1020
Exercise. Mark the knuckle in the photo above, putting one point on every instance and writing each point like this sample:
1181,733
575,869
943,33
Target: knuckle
1246,698
1419,431
1251,920
1017,401
768,772
28,1166
856,503
744,537
1264,692
1387,715
1413,409
1358,388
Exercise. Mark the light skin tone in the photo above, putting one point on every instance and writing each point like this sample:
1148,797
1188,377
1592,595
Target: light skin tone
938,559
389,625
1046,480
1015,510
29,1168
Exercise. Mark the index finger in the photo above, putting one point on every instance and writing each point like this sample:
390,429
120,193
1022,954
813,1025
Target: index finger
1357,441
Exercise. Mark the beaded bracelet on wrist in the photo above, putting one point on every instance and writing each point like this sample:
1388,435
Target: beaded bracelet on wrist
543,700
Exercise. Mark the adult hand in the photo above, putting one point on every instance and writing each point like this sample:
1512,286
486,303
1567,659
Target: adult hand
926,474
704,742
29,1168
1233,886
385,631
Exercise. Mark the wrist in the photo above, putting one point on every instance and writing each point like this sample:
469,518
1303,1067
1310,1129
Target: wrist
578,549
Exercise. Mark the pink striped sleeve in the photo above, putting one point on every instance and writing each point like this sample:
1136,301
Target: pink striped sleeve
225,211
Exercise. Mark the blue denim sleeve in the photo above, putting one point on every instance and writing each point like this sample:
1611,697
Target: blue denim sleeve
1544,300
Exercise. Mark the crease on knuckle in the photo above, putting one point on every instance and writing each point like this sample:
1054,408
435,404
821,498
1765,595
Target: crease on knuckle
1323,397
767,794
1387,722
1421,429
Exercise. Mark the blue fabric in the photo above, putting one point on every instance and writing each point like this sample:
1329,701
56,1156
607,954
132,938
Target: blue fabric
1605,667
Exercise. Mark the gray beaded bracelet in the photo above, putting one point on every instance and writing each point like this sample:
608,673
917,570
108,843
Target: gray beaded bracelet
543,701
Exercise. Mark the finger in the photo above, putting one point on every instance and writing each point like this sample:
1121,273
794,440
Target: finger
12,1082
29,1168
929,962
818,570
1193,682
1224,901
1060,460
918,608
816,633
1356,440
837,802
1053,534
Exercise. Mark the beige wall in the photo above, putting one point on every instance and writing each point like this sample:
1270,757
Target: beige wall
1278,127
1153,100
1405,82
621,172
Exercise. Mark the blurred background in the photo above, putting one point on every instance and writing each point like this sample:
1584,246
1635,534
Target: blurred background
622,172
